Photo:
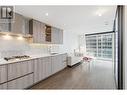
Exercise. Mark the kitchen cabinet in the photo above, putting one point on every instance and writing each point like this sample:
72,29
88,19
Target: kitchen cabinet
21,83
58,63
47,66
57,36
38,70
22,74
20,25
54,64
36,75
45,34
19,69
37,29
3,73
64,60
4,27
42,68
3,86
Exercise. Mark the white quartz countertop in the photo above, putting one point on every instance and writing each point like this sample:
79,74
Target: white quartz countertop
34,56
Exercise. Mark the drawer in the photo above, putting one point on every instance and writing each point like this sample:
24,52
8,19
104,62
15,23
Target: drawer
3,86
21,83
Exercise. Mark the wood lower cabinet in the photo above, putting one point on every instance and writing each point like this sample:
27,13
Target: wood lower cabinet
23,74
63,60
42,68
3,86
3,74
54,64
21,83
47,66
19,69
38,70
58,62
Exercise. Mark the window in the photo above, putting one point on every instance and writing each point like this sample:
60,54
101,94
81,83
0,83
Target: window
100,45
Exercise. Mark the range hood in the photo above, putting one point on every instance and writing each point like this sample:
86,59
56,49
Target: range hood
18,26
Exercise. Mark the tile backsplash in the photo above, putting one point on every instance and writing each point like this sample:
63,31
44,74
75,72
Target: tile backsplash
12,47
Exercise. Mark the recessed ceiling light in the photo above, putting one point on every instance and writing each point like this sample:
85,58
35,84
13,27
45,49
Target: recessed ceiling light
46,14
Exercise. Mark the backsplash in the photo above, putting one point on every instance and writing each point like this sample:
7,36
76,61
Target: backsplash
14,46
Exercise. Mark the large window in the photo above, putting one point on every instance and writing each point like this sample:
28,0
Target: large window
100,45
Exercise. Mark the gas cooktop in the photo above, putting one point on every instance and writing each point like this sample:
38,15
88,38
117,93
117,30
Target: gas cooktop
16,57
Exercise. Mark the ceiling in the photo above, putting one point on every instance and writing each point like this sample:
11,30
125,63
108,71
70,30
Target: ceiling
71,17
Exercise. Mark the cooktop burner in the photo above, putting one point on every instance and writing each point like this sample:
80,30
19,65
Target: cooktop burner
16,57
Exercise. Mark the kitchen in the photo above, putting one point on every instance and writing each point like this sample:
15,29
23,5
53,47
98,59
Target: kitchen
34,45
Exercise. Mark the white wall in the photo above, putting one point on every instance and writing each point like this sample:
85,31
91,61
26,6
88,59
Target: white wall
70,42
125,47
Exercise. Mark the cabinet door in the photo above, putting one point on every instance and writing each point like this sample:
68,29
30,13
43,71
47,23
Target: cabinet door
26,25
19,69
3,86
36,29
36,70
21,83
3,73
42,33
4,27
64,60
60,36
55,36
29,66
39,70
47,65
55,64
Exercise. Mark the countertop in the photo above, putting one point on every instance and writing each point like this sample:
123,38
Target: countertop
35,56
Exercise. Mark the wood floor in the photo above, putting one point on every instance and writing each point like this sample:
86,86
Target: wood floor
96,75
